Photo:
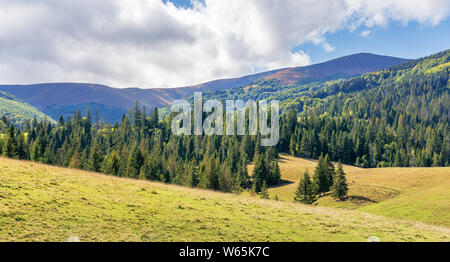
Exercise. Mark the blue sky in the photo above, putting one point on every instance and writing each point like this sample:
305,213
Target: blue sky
406,41
412,40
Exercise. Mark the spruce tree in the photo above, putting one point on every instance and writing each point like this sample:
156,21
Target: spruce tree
329,169
113,164
75,161
275,176
305,190
340,187
260,173
152,167
95,158
321,179
10,146
292,146
135,162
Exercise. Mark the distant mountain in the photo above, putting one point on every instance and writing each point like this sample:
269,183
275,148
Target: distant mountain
110,103
342,67
18,111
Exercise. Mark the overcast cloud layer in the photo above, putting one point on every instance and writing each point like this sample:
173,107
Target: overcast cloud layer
147,43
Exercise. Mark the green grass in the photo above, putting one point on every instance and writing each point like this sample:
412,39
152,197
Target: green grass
431,205
45,203
420,194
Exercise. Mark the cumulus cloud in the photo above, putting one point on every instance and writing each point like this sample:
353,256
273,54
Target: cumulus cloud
147,43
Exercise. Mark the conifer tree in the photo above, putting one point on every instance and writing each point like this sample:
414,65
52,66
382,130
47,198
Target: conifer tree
340,187
152,167
22,147
305,190
292,146
260,173
95,158
329,169
9,149
75,161
275,176
135,162
113,164
321,179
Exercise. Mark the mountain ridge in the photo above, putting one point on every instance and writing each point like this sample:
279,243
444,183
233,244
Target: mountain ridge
111,103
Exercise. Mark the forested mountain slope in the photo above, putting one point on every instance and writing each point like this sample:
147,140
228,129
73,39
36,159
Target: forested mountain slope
394,117
19,111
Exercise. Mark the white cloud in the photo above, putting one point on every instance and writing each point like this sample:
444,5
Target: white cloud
365,33
148,44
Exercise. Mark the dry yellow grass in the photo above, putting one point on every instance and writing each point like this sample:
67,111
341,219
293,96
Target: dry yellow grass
45,203
368,187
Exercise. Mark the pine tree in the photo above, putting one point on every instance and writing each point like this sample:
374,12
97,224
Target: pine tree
292,146
135,162
305,190
275,176
260,173
152,168
75,161
113,164
340,187
22,147
95,158
154,118
10,145
329,169
321,178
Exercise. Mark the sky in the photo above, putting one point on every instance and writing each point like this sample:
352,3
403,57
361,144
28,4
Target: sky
173,43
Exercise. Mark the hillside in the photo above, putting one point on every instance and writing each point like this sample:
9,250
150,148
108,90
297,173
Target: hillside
410,193
343,67
46,203
111,103
18,111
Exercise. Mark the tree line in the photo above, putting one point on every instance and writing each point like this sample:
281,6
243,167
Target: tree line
141,146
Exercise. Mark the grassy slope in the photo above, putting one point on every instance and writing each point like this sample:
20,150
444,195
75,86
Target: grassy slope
18,111
44,203
414,193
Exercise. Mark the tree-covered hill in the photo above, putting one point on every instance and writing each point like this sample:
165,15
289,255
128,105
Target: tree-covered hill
394,117
19,111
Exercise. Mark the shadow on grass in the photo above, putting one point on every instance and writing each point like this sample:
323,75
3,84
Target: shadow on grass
360,199
283,183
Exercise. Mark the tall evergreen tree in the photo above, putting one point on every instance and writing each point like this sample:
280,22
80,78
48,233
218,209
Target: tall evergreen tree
305,190
10,146
340,187
321,177
260,173
95,158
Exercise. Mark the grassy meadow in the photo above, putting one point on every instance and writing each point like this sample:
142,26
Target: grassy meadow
46,203
420,194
